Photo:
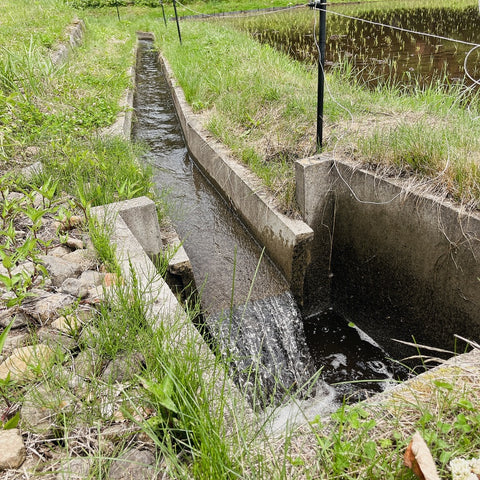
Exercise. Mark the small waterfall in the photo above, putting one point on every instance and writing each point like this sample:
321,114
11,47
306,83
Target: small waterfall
264,343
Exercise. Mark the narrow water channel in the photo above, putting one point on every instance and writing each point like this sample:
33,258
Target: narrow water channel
247,305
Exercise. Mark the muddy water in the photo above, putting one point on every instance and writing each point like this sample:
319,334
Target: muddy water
378,53
248,308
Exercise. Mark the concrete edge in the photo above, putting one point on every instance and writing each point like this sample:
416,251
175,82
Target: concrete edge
431,243
179,269
129,220
75,32
122,126
325,162
287,241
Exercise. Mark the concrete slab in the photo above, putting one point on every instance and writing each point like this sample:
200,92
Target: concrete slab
179,270
75,33
405,261
164,310
123,123
140,215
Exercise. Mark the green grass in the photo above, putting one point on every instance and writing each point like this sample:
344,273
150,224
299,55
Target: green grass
55,114
43,21
253,106
262,105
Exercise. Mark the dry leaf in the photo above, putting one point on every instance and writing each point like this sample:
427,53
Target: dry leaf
119,417
419,458
111,279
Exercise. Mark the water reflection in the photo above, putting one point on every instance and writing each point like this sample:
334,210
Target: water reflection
378,53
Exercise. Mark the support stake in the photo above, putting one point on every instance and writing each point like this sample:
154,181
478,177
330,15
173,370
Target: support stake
322,35
176,19
163,11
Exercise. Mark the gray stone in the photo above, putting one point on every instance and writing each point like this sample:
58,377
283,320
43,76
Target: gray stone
61,268
38,200
46,306
6,295
12,449
88,244
69,325
118,432
26,362
92,278
15,339
87,363
25,267
64,376
86,259
74,243
54,338
20,319
135,464
59,251
75,469
89,337
15,197
123,368
74,287
32,170
95,295
41,406
31,151
85,314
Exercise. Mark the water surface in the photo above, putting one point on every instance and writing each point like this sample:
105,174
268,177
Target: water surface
378,53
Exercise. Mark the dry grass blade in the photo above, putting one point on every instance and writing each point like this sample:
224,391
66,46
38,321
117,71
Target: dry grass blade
470,342
424,360
426,347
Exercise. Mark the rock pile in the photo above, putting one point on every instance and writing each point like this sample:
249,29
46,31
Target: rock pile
52,336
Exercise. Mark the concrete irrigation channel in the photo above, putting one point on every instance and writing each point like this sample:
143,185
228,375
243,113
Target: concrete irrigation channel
374,260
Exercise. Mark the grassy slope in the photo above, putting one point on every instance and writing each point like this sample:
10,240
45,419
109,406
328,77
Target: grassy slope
252,96
263,106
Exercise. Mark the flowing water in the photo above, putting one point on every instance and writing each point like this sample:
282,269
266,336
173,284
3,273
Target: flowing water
378,53
263,338
248,308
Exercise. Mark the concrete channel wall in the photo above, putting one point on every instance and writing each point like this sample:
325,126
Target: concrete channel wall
74,34
135,232
405,260
286,241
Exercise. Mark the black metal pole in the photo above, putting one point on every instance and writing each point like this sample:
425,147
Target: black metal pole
176,19
321,70
163,11
118,12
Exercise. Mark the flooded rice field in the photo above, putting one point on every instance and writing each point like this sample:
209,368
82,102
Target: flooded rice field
380,54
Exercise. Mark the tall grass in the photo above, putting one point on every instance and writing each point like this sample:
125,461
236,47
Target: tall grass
43,21
252,97
97,171
263,106
255,100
